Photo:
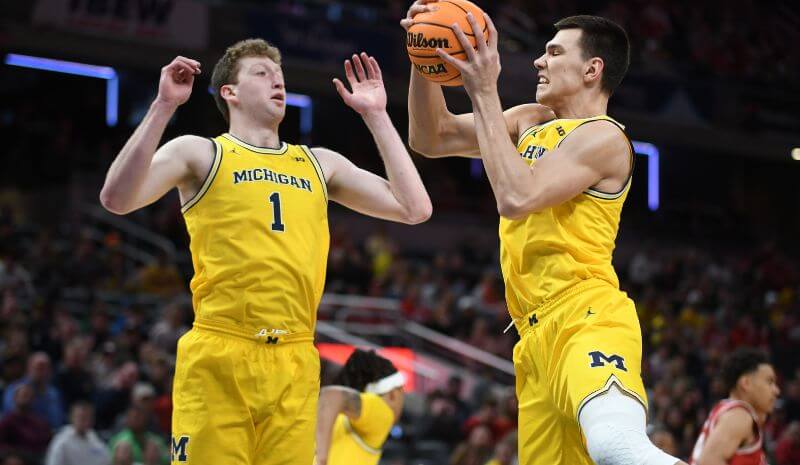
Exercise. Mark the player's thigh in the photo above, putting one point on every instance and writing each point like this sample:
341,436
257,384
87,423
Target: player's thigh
539,422
598,345
287,434
211,422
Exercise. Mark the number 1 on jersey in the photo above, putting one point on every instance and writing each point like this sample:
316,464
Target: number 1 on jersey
277,221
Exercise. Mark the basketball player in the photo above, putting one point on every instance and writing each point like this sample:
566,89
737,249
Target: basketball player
559,193
733,434
247,374
356,415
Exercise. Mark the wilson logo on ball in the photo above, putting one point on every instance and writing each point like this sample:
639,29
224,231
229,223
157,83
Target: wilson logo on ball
420,41
431,70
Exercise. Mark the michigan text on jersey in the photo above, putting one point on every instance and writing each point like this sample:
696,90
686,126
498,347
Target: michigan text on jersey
267,175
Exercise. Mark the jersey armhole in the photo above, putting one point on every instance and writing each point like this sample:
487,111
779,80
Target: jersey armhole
532,129
632,160
317,169
212,173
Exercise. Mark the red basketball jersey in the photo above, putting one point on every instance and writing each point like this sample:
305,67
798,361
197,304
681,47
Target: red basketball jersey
750,455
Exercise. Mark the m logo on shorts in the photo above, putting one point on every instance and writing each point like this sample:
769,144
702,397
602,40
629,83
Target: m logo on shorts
600,359
178,449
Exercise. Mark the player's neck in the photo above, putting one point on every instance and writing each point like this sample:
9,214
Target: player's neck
735,395
260,136
581,106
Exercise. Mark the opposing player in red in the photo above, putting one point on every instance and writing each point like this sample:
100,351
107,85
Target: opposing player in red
733,433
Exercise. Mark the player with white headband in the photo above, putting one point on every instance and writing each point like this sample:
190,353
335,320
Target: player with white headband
355,415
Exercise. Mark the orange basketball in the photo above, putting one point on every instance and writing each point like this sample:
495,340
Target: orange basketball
432,30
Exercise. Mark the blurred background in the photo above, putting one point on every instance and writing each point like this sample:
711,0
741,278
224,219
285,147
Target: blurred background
91,304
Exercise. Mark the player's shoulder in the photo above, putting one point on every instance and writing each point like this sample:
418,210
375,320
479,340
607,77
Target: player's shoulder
736,419
189,145
525,116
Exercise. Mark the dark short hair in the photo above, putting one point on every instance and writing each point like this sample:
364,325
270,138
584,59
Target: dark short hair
741,362
605,39
364,367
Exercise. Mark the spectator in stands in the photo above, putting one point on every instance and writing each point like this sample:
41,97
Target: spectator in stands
442,422
170,327
137,435
787,451
13,459
47,400
77,443
663,439
72,378
453,392
506,450
115,399
476,450
123,454
22,430
143,397
161,277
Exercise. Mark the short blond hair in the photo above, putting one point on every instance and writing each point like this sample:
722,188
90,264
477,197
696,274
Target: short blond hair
227,68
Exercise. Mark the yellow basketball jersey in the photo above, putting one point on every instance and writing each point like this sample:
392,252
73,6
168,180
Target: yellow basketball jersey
259,239
548,252
360,441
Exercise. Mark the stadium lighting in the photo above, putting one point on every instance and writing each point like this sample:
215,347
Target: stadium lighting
304,103
79,69
642,148
796,154
651,152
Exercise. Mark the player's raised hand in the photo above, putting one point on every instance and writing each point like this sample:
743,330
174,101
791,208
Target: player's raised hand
481,69
175,84
366,82
419,6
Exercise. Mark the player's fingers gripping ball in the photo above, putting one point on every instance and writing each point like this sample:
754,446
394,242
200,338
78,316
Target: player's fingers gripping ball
433,29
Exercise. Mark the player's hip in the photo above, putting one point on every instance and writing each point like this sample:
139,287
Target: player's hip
574,304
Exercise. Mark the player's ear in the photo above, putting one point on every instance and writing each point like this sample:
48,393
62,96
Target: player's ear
227,91
593,69
745,382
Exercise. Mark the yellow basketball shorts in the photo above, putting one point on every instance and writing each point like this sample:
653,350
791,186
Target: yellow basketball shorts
244,401
572,349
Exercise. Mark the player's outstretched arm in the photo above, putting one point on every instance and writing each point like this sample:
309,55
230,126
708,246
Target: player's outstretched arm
434,131
730,433
140,175
402,197
595,154
334,400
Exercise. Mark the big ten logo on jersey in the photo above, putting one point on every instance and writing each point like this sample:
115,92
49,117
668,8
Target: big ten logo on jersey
599,359
533,152
178,449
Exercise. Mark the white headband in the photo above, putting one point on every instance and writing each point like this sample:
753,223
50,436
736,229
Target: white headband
384,385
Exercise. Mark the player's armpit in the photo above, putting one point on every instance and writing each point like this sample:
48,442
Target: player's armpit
371,194
352,404
731,432
594,155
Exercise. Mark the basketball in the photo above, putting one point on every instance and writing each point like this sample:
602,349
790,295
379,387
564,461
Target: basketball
432,30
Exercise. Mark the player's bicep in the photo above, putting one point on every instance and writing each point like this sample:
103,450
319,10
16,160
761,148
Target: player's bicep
173,165
358,189
731,431
588,156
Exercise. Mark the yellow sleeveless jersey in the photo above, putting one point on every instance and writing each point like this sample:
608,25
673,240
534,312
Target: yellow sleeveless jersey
547,252
259,239
360,441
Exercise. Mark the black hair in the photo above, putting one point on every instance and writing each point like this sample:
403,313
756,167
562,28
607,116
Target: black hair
605,39
741,362
364,367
